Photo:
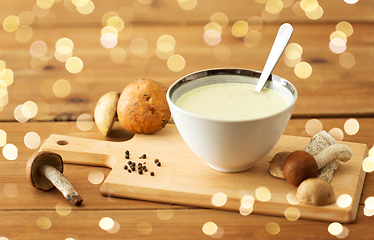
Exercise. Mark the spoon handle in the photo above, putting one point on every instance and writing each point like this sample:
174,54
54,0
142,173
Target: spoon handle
280,43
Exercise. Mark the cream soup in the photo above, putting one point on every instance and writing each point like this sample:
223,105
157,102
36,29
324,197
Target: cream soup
232,101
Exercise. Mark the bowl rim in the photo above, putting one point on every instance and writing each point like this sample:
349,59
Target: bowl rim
231,71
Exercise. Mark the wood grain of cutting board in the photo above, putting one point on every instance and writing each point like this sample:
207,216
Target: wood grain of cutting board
185,179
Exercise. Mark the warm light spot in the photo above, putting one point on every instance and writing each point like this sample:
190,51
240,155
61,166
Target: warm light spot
86,9
335,228
85,122
2,65
220,18
116,22
252,39
116,227
347,60
337,45
32,109
164,214
246,208
106,16
3,138
268,17
45,4
338,34
176,63
303,70
297,10
212,37
7,76
144,228
40,12
345,27
44,223
239,29
164,51
337,134
32,140
3,97
292,214
304,4
63,53
11,23
74,65
368,164
292,199
255,23
95,177
314,12
108,40
344,201
294,47
11,190
19,113
138,46
343,234
65,42
166,39
313,126
369,203
109,29
63,208
292,58
274,6
106,223
188,4
26,18
38,49
222,52
61,88
272,228
351,1
263,194
10,152
351,126
118,55
24,34
219,199
209,228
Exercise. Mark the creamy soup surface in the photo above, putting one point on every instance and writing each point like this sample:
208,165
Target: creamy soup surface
232,101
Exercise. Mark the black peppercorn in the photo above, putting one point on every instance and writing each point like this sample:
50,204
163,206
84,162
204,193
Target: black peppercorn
158,164
127,152
125,167
129,162
129,171
156,160
143,156
140,171
127,156
152,173
132,168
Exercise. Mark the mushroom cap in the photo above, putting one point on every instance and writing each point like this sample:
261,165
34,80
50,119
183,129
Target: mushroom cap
276,164
36,160
298,166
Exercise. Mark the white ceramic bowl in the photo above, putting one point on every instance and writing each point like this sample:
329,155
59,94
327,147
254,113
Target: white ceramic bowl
230,146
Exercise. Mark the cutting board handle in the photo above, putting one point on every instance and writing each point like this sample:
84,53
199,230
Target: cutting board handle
81,151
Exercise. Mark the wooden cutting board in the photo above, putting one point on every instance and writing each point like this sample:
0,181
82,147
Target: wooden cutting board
185,179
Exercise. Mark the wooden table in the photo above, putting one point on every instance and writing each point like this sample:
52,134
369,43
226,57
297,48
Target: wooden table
332,95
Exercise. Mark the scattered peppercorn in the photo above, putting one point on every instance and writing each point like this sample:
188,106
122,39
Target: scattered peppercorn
127,156
133,164
127,152
156,160
129,171
144,167
143,156
145,170
129,162
140,171
152,173
140,164
158,164
132,168
125,167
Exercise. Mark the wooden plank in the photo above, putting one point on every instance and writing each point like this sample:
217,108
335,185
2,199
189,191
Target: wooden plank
343,92
64,12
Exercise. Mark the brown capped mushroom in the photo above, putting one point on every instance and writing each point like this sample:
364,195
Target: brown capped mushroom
44,171
315,191
106,111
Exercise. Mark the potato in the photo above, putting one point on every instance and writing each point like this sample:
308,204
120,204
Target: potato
142,107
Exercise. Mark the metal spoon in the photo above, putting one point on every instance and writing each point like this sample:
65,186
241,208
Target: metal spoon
283,36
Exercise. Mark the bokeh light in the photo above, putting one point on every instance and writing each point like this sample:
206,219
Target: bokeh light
255,23
313,126
292,198
32,140
21,113
74,65
263,194
272,228
3,138
212,37
303,70
351,1
337,45
26,18
44,223
61,88
337,134
219,199
344,233
335,228
338,34
164,51
314,12
24,34
345,27
252,39
138,46
274,6
63,208
292,213
368,164
106,223
144,227
239,28
220,18
347,60
187,4
10,152
176,63
30,109
108,40
222,52
351,126
165,214
344,201
118,55
38,49
86,9
11,23
96,177
11,190
7,76
209,228
369,206
85,122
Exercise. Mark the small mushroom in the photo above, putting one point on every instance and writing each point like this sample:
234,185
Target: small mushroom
44,171
315,191
301,165
105,112
276,164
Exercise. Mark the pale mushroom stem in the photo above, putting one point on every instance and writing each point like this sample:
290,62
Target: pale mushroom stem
61,183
